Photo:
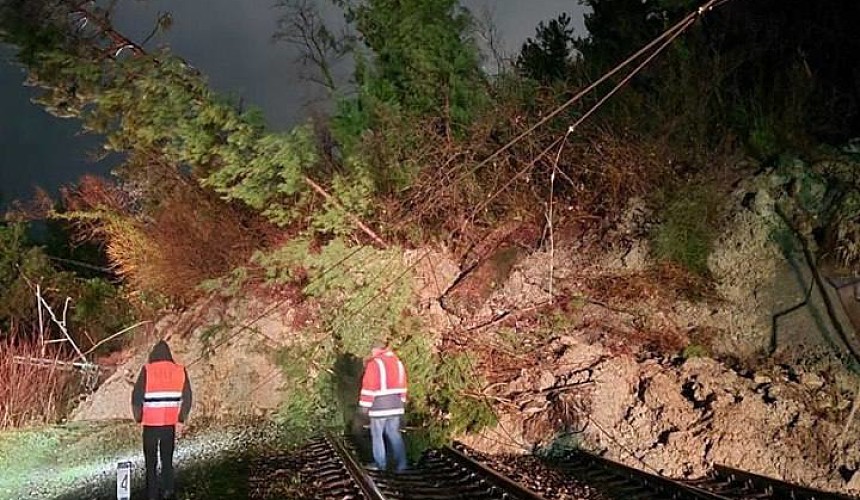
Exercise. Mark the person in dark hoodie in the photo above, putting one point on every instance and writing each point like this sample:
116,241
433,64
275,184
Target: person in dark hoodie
161,401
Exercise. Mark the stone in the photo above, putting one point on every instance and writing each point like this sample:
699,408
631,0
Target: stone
854,483
546,381
579,378
578,357
517,386
534,406
812,380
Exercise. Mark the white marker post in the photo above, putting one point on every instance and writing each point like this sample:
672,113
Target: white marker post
123,481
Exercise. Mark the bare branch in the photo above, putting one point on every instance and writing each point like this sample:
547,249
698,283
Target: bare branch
163,23
115,335
486,29
303,26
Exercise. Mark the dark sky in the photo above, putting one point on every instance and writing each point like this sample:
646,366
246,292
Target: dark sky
228,40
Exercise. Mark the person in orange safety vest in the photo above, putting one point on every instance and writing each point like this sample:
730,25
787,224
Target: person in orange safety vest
161,401
382,398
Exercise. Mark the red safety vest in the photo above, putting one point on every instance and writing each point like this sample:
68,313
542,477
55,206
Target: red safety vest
163,397
384,375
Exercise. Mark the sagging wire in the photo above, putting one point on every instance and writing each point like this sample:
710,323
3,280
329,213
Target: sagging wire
669,35
576,124
661,42
682,25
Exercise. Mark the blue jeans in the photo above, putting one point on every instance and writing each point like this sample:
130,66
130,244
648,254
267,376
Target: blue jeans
382,428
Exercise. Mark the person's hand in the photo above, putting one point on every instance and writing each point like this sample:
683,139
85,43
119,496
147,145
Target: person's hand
364,410
180,430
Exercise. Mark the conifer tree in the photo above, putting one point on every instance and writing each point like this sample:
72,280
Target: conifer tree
424,58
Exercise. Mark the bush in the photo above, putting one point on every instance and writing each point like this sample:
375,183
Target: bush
30,394
97,309
364,294
101,310
361,292
184,238
22,266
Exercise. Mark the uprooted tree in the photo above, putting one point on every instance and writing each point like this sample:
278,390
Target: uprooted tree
204,186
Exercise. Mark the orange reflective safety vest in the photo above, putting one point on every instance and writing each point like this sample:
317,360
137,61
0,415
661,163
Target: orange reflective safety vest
163,397
383,387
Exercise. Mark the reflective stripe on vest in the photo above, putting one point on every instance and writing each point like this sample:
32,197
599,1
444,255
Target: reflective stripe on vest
387,398
163,397
384,389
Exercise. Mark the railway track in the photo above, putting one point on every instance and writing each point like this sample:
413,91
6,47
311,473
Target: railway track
723,483
444,473
331,470
328,468
728,479
319,469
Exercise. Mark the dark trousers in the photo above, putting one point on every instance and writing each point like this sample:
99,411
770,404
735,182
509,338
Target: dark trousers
155,440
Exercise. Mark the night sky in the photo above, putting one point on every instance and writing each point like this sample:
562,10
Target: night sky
231,43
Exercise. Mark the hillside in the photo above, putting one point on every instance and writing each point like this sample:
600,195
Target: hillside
642,241
619,362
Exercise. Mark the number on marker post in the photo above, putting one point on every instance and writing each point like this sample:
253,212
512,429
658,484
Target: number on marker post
123,481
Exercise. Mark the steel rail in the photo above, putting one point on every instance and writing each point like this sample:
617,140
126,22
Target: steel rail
723,483
775,487
503,482
363,480
653,483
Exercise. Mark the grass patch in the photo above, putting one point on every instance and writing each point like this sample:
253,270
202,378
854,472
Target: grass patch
61,453
689,227
696,351
26,450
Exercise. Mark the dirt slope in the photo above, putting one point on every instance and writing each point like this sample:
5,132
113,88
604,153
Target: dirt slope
582,358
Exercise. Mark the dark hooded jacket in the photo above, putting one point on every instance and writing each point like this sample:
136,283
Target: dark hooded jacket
161,352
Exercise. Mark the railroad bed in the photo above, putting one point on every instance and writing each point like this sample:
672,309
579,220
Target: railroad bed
328,468
723,483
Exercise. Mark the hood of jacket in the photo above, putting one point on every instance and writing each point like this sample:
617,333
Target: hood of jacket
161,352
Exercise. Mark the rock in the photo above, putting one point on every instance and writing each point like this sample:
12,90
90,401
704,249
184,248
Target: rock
517,386
579,378
578,355
569,340
854,483
546,381
222,379
493,263
533,406
762,379
812,380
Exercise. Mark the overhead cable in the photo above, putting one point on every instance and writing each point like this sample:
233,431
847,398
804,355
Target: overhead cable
671,33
